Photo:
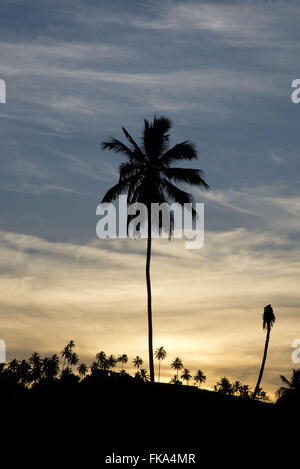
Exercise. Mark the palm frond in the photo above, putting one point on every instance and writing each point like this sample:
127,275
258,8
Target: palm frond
186,175
120,188
128,169
155,137
285,380
182,151
133,143
175,193
117,147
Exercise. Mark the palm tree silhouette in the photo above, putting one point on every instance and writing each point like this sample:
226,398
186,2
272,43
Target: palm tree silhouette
160,354
51,367
147,177
144,375
67,351
82,370
123,359
101,359
244,391
199,377
36,366
292,385
23,372
177,365
111,362
73,359
186,375
236,387
175,380
137,362
268,322
13,366
224,386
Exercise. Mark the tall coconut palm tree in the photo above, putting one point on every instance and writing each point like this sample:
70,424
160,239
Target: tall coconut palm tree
147,177
137,362
186,375
123,359
268,322
160,354
177,365
199,377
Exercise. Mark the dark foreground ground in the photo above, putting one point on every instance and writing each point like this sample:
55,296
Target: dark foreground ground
69,423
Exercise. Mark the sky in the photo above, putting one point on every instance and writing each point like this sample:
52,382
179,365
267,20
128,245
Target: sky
75,72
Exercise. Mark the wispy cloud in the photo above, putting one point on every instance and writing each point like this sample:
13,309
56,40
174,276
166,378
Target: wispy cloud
64,288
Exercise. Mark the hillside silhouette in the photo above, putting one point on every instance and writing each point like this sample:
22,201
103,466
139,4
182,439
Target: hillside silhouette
106,411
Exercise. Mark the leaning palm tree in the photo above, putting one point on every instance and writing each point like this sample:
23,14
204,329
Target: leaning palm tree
268,322
199,377
123,359
177,365
160,354
186,375
137,362
147,177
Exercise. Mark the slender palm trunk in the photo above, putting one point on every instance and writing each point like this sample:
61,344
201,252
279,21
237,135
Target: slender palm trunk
148,280
262,364
158,370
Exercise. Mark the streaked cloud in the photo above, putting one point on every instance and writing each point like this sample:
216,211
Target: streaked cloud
207,304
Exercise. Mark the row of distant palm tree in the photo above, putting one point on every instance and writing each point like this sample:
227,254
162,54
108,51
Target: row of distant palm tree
225,387
36,368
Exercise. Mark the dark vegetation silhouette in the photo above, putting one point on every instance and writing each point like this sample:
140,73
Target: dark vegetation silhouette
36,370
148,177
42,390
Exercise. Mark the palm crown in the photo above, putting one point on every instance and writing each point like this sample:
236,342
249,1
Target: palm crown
268,317
147,175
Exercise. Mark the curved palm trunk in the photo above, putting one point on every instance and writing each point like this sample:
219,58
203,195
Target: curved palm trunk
149,301
262,363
